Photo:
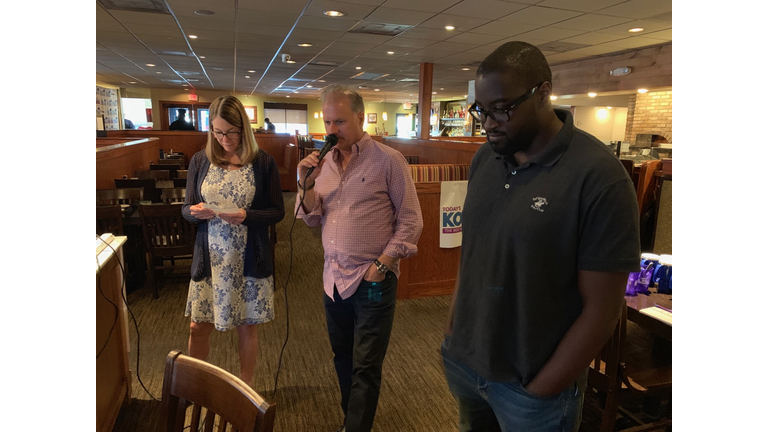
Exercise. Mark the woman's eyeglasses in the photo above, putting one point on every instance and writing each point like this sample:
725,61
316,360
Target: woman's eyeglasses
230,135
500,115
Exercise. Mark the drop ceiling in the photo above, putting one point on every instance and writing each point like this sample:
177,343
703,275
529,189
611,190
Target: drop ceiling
240,43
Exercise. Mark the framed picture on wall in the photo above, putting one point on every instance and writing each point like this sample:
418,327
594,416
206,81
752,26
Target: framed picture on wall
372,118
251,111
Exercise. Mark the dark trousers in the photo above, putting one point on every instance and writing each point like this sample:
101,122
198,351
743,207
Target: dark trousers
359,329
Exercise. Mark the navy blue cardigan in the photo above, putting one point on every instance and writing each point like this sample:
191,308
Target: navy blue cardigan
266,209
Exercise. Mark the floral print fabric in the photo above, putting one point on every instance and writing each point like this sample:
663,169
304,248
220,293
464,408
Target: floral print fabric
228,298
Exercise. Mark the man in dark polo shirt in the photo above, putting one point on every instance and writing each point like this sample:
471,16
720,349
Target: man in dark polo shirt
550,233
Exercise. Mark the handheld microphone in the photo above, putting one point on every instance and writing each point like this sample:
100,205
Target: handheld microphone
330,141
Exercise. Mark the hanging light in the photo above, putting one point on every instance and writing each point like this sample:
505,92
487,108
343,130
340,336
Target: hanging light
384,116
321,114
317,115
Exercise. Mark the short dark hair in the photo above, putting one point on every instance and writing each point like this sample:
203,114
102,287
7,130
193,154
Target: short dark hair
522,59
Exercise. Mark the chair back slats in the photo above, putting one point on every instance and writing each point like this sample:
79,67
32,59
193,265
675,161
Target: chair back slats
109,219
227,399
182,174
151,193
109,197
172,195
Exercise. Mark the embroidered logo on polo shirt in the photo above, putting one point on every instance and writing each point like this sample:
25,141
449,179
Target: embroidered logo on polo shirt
539,203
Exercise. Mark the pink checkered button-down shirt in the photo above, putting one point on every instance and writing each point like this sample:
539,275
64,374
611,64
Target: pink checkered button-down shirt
366,210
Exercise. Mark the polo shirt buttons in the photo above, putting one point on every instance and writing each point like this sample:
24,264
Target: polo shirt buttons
506,186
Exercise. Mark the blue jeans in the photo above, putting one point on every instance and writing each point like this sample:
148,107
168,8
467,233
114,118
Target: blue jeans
489,406
359,329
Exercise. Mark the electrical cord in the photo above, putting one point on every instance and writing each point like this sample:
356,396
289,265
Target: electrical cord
133,317
285,287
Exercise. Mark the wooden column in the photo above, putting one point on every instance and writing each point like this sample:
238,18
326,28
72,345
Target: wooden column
425,98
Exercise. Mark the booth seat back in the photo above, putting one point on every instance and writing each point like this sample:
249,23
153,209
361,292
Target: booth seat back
438,172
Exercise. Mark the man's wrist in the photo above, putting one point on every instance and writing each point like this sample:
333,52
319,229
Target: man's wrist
381,268
298,182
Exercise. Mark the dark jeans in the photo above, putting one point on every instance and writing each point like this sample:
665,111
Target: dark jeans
359,329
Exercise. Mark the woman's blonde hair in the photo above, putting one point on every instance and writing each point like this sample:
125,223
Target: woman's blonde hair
230,109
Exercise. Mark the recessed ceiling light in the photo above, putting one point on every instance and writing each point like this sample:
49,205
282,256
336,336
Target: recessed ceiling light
251,71
309,86
320,80
591,94
636,30
358,67
442,88
158,72
609,107
150,65
247,76
333,13
193,36
390,52
290,61
642,90
553,97
204,12
287,96
304,44
434,92
449,27
376,90
132,82
202,57
465,69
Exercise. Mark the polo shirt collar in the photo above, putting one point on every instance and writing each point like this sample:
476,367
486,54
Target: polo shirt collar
557,147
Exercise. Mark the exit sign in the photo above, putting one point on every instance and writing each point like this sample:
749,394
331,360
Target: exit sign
193,98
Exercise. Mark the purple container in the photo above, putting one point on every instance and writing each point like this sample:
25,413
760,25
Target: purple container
632,280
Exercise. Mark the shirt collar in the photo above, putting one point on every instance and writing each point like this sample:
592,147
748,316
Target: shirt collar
557,147
357,147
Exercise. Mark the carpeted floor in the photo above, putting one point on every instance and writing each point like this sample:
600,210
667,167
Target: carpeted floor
414,394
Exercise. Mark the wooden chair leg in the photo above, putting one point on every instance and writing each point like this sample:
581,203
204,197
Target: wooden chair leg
609,413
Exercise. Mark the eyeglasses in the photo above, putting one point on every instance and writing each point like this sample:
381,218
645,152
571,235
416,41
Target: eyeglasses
230,135
504,114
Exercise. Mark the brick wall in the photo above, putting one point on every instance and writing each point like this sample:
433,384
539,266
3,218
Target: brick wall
649,113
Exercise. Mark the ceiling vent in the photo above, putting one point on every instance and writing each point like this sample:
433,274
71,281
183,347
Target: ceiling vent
151,6
173,53
324,63
366,76
381,29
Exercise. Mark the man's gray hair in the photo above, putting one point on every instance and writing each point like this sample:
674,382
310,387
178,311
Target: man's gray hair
337,91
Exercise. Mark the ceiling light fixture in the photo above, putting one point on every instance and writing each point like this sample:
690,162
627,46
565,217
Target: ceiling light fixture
553,97
642,90
358,67
465,69
202,57
384,116
450,27
390,52
636,30
591,94
333,13
317,115
251,71
247,76
150,65
193,36
304,44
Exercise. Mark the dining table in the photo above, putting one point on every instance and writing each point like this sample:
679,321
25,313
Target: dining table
652,312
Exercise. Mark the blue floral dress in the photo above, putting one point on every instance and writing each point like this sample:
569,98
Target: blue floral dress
228,298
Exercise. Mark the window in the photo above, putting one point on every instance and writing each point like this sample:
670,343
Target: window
287,118
138,111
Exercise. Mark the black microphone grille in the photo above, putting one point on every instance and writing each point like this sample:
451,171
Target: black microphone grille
331,139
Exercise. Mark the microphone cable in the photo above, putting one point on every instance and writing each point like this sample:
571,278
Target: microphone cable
136,325
285,286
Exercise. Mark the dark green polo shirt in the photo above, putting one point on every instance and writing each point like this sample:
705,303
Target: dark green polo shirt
527,231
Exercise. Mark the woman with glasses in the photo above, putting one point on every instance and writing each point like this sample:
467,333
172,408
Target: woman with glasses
233,195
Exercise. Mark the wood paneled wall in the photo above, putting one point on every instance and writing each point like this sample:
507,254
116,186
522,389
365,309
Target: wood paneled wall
432,271
187,142
124,160
433,151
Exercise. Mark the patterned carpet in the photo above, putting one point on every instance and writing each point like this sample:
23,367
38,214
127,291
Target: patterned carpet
414,394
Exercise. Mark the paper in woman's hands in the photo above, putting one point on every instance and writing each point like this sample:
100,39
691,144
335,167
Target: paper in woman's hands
226,208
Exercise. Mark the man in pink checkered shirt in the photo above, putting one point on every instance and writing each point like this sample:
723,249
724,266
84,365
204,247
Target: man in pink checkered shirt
363,195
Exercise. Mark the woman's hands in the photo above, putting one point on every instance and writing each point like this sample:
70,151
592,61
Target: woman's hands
233,218
203,213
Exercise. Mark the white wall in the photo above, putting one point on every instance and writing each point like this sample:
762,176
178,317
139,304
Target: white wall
605,124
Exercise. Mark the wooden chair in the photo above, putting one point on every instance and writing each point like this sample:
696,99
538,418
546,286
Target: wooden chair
115,197
226,398
167,235
162,174
177,162
412,160
173,195
180,182
172,169
609,378
646,200
109,219
151,193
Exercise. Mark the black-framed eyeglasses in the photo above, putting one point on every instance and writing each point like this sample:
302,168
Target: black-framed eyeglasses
230,135
504,114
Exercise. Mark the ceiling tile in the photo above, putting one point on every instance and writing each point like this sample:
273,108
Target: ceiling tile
639,8
591,22
579,5
535,15
504,29
398,16
421,5
488,9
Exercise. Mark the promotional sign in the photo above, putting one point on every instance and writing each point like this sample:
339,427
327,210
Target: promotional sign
452,194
